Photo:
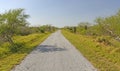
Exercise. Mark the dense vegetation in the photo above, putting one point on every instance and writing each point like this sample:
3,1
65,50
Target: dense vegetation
100,43
102,26
17,38
13,22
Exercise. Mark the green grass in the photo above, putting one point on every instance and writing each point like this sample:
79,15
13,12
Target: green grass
9,59
103,57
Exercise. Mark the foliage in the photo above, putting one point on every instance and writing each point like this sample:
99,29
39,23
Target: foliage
107,26
72,29
10,22
16,47
100,42
84,25
24,30
17,39
9,57
43,29
47,28
110,24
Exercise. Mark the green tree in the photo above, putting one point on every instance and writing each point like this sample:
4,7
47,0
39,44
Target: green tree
82,27
110,24
10,22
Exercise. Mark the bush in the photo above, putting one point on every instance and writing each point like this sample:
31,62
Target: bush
16,47
104,40
42,31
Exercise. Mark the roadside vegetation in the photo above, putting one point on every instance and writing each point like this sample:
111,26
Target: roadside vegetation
17,38
23,46
99,43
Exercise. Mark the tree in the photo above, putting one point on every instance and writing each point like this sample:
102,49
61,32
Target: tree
84,25
10,23
110,25
74,29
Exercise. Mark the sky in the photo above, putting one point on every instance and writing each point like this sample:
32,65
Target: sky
62,12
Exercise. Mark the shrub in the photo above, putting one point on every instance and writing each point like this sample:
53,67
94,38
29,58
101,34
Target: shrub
42,31
16,47
104,40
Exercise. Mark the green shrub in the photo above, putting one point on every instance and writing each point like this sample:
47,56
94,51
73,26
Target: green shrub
42,31
16,47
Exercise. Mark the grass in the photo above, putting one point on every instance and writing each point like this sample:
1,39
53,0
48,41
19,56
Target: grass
9,59
103,57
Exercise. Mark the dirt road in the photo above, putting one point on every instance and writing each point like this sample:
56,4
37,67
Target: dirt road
56,53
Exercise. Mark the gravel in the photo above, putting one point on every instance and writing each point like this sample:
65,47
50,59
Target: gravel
56,53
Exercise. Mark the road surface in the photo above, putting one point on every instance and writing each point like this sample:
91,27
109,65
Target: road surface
56,53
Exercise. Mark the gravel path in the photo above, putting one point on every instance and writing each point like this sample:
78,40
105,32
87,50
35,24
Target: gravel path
55,54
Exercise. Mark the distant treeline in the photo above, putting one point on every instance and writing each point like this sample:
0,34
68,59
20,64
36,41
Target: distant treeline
109,26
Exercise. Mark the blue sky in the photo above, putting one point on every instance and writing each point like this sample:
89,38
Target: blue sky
62,12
